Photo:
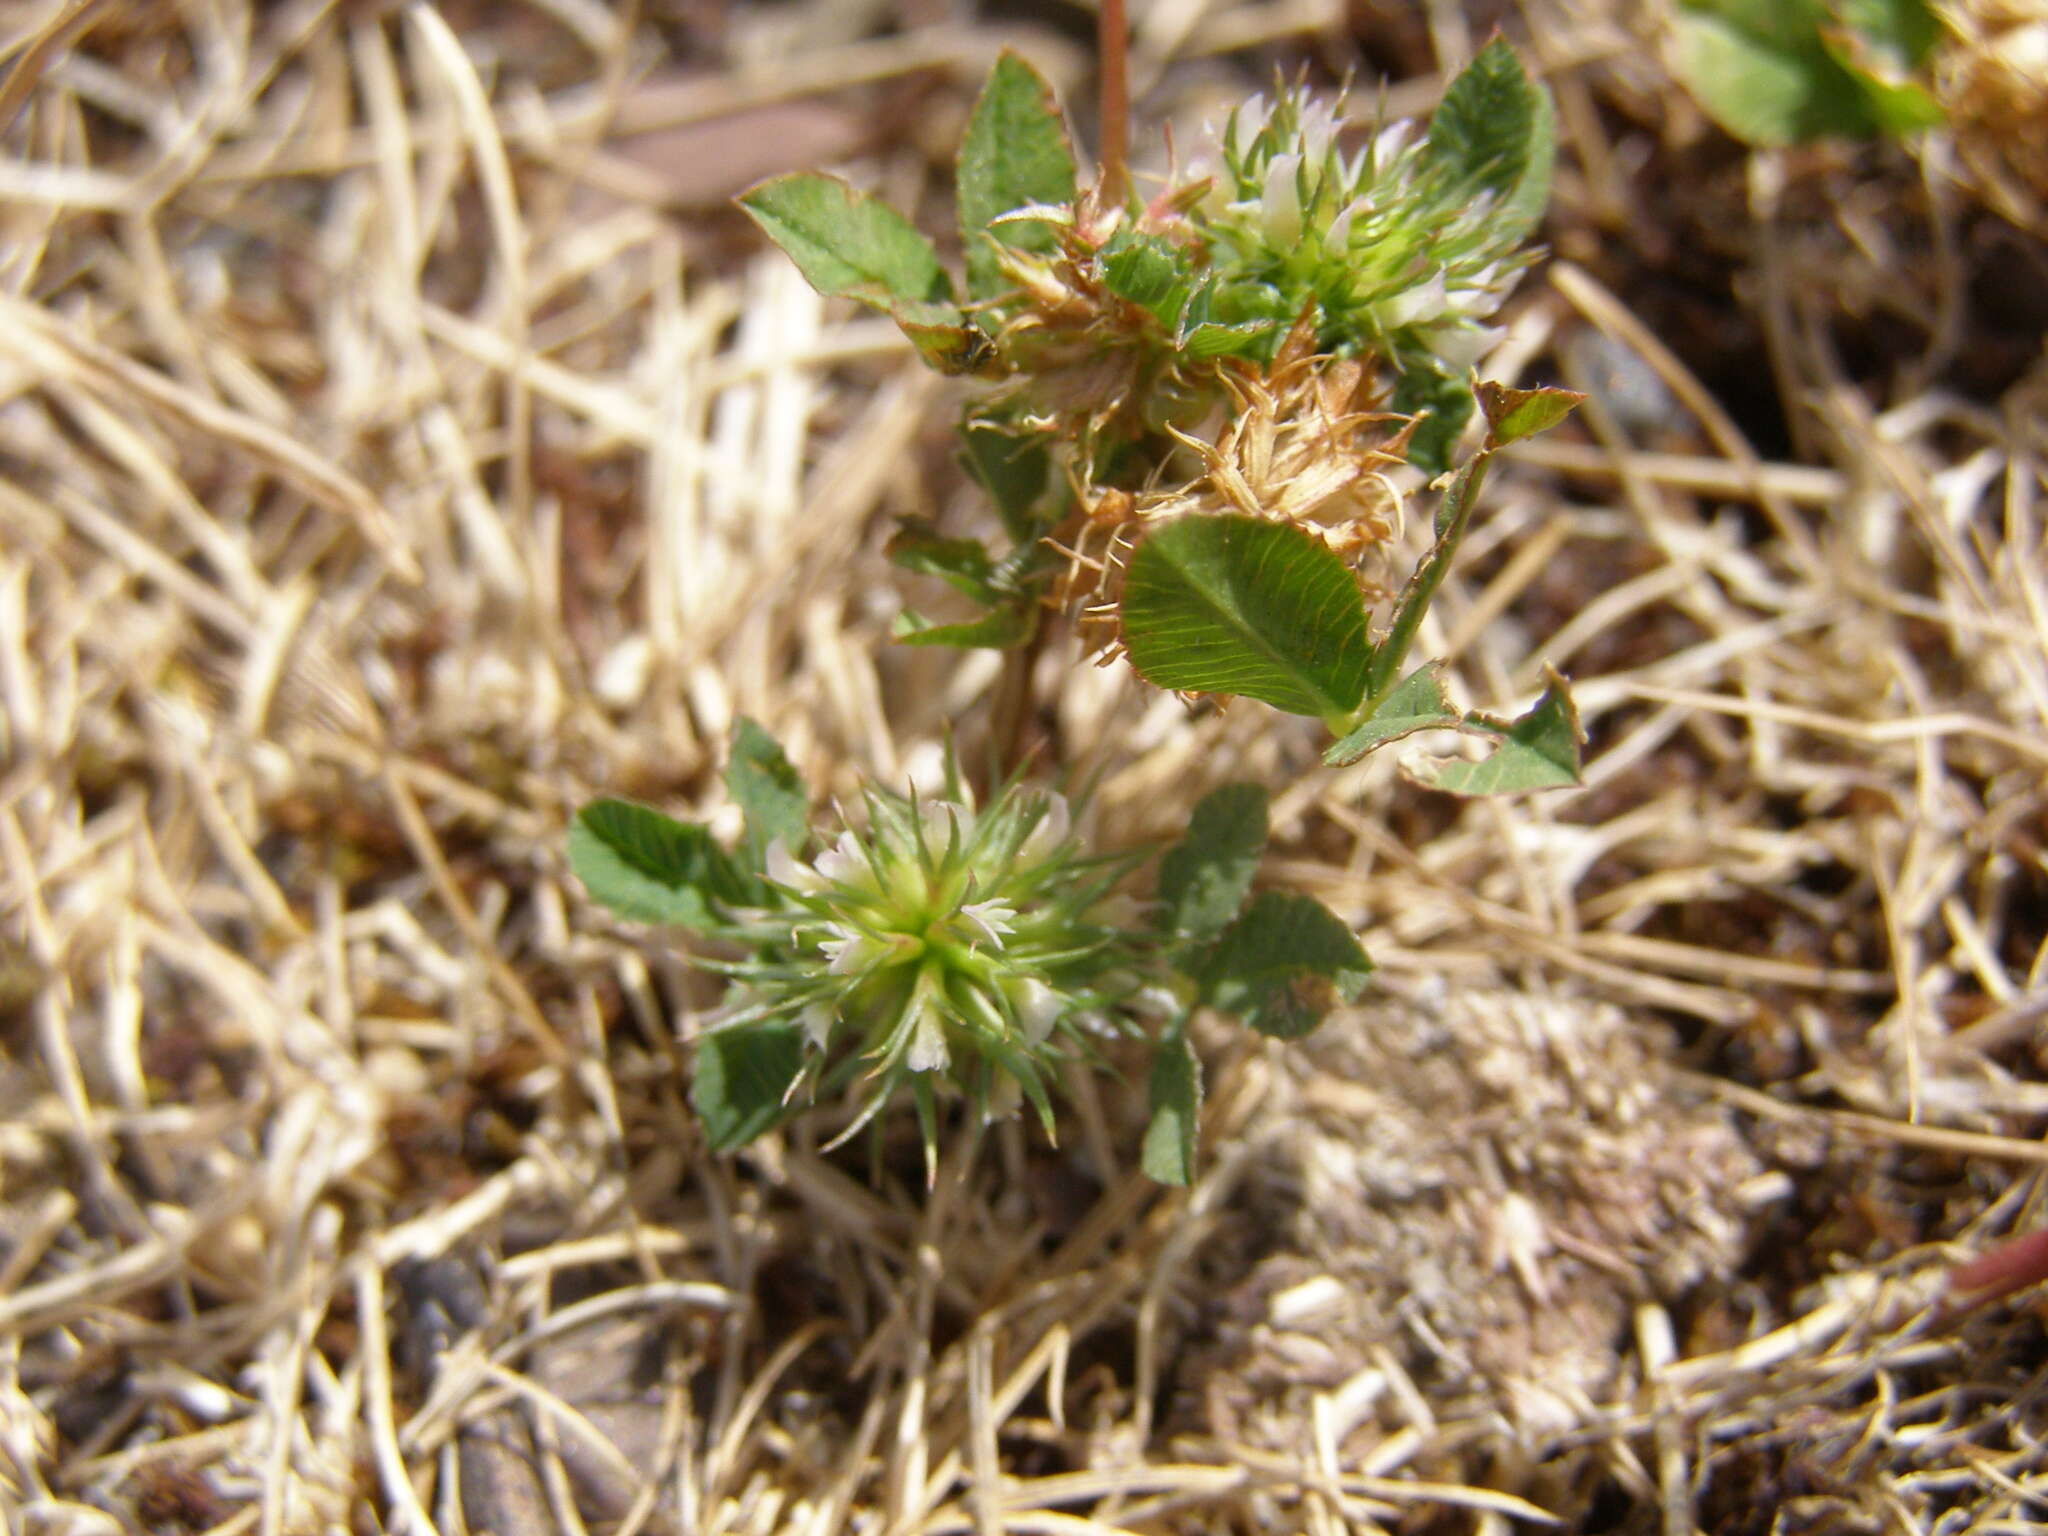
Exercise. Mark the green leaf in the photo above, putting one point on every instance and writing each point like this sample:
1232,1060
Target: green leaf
1787,71
1424,385
1416,703
766,787
1236,604
743,1079
1495,128
1908,30
649,867
1205,877
846,243
1283,965
1003,628
1517,413
1538,751
1175,1093
962,564
1014,155
1012,467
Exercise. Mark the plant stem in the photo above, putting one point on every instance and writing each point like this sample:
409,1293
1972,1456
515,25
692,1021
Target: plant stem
1011,710
1113,44
1452,518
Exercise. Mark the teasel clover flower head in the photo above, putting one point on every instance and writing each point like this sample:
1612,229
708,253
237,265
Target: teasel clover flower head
937,949
1405,246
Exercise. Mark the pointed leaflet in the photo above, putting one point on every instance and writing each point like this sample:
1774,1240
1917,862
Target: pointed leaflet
765,786
1204,877
1014,155
1512,414
1002,628
743,1080
963,564
1538,751
648,867
1416,703
848,244
1236,604
1495,127
1175,1093
1283,965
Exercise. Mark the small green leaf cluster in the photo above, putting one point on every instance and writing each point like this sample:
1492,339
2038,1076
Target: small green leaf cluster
942,951
1788,71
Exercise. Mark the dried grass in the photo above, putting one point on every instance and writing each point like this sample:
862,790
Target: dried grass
388,467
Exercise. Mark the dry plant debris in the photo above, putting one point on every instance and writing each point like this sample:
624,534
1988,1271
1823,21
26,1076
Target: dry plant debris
385,469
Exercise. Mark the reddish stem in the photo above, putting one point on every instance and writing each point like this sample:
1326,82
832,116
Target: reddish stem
1113,44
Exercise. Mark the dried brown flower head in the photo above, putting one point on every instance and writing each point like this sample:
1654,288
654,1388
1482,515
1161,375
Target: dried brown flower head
1303,440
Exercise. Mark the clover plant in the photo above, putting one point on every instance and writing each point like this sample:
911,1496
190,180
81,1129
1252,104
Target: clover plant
1187,410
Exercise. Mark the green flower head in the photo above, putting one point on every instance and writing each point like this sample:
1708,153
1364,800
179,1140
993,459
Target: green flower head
938,948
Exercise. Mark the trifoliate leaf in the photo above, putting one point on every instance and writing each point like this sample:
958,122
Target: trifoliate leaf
1014,155
743,1080
1175,1094
1205,877
650,867
1236,604
765,786
1283,965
